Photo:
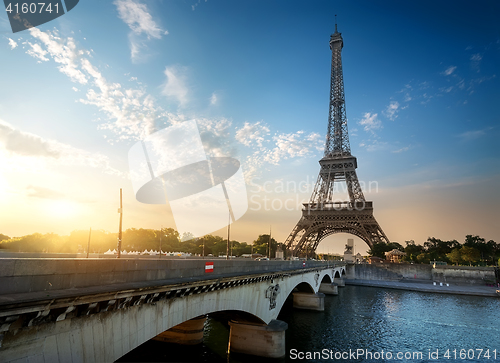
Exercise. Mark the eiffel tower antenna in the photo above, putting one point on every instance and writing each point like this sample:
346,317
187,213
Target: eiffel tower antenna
325,215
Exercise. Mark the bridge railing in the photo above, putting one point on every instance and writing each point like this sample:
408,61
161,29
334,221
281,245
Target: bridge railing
18,276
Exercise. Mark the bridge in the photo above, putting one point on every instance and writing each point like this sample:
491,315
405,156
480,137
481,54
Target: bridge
97,310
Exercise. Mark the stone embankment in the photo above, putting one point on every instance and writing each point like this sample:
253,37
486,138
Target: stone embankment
463,280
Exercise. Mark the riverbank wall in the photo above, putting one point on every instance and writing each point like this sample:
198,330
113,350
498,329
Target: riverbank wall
461,275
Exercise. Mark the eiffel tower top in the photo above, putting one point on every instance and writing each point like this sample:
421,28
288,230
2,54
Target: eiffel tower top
337,136
336,37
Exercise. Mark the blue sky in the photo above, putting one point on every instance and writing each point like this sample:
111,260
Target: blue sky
421,84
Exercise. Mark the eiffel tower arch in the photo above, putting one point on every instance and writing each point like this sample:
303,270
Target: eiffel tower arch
324,215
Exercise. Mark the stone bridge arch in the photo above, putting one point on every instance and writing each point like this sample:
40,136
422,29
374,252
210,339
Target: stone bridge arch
118,326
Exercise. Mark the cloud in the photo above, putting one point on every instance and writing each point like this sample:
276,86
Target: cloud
62,50
403,149
142,25
216,136
175,84
213,99
44,193
391,111
374,145
27,145
36,51
472,135
24,143
137,17
293,145
252,134
271,151
12,43
449,70
370,122
475,61
131,113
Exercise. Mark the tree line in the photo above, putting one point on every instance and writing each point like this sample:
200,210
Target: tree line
473,251
136,239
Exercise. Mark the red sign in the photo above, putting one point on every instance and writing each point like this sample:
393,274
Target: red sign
209,267
304,264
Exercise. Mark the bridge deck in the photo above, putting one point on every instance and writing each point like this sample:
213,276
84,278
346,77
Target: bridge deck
177,283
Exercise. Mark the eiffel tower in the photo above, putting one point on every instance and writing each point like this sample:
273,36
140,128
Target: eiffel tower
324,216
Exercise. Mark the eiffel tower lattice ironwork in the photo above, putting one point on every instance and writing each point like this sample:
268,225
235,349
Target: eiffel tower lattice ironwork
324,216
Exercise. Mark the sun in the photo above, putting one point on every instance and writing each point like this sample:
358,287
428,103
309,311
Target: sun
62,208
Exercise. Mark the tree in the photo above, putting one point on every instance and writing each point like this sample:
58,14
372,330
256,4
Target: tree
412,250
261,245
187,236
470,254
455,256
379,249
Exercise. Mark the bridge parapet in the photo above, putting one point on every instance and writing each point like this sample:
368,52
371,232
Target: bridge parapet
40,274
34,325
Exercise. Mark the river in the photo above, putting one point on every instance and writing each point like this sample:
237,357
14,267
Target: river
364,324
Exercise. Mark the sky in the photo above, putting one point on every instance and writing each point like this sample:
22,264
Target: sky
422,88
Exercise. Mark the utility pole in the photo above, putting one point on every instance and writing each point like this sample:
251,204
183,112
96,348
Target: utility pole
161,232
269,244
88,244
228,229
120,210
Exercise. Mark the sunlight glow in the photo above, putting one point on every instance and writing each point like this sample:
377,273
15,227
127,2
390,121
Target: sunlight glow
62,208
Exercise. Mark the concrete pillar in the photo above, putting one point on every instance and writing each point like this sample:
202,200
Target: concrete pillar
309,301
258,339
188,333
328,288
339,281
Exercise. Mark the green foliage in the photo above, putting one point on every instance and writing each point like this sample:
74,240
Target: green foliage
35,242
423,258
455,256
470,254
412,250
379,249
261,245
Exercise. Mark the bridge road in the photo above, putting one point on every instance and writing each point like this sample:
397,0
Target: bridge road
87,310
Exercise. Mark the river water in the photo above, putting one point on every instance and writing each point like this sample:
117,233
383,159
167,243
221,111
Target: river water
364,324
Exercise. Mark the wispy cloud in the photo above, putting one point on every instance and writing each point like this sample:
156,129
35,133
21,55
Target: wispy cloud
23,144
12,43
44,193
293,145
475,61
449,70
136,15
473,134
214,99
36,51
374,145
273,150
392,110
370,122
403,149
195,5
252,134
62,50
131,113
175,84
